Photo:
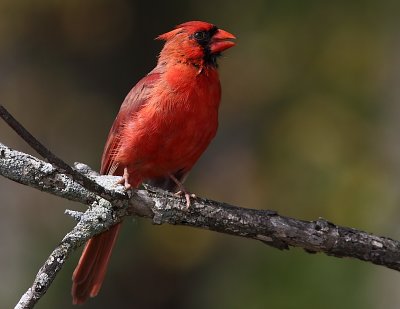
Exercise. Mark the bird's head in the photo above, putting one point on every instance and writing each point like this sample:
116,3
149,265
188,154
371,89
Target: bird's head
195,42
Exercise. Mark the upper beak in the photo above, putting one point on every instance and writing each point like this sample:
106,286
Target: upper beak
221,41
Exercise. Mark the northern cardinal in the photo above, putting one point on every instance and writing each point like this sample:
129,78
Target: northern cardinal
164,125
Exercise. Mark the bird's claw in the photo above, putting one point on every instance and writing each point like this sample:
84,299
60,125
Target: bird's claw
125,180
182,191
187,195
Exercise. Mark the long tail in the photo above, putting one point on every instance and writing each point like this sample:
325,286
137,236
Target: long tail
89,274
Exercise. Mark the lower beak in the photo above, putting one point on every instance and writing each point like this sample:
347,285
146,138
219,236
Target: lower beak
221,40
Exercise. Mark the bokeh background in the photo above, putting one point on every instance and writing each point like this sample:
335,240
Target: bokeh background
309,126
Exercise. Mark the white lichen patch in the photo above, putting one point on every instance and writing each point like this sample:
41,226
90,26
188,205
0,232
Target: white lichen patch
47,168
263,237
110,182
42,279
347,238
377,244
50,260
158,204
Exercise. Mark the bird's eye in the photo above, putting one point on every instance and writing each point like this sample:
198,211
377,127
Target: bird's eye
200,35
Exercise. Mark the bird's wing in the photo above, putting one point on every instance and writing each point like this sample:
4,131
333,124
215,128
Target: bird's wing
133,102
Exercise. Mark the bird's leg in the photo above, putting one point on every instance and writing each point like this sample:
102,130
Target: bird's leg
125,179
182,190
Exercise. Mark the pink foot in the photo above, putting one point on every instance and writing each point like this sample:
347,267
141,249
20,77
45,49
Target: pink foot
125,180
182,191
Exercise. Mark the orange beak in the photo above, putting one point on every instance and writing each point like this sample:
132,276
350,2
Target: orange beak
221,40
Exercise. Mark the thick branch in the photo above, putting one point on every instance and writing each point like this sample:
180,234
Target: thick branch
163,207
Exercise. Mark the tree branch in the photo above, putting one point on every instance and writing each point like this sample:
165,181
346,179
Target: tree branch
163,207
53,159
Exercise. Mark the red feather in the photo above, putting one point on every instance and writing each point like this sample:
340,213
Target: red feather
164,125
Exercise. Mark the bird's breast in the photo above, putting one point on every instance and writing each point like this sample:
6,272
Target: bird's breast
174,127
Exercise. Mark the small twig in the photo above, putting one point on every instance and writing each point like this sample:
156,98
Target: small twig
56,161
92,222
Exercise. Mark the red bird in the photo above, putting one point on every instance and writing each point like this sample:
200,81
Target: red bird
164,125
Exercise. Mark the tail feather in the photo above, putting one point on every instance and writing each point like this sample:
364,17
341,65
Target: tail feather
92,267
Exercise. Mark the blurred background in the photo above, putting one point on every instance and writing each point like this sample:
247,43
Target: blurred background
309,126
